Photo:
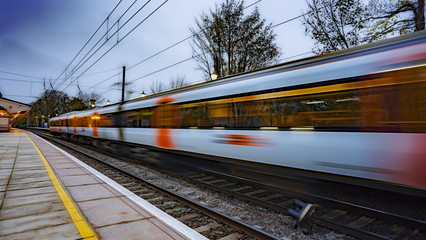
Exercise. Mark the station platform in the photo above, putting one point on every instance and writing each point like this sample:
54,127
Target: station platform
45,193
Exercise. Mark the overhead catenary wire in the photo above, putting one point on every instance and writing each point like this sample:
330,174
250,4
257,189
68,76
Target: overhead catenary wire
88,41
164,50
38,82
187,59
79,64
21,75
162,4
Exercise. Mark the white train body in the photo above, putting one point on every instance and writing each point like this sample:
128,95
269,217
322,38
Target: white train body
368,144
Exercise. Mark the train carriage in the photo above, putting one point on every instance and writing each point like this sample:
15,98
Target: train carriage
358,113
4,120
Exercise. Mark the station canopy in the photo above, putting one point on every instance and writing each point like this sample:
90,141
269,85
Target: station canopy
14,108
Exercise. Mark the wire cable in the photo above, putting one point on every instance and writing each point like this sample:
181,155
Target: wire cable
77,67
88,40
180,62
38,82
164,50
22,75
119,41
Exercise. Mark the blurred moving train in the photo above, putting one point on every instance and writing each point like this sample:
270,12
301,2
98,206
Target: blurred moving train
358,114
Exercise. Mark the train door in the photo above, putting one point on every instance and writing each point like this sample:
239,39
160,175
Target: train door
94,123
74,124
166,118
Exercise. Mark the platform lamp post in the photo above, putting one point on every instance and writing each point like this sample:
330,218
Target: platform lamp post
213,75
92,103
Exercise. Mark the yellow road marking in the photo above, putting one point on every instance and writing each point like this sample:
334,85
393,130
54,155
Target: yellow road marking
82,226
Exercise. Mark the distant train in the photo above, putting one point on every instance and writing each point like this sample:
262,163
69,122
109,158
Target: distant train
4,120
356,114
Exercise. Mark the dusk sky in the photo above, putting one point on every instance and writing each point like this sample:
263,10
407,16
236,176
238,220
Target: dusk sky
38,39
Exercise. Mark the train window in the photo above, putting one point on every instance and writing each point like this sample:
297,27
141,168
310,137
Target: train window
94,120
145,116
82,122
337,110
167,116
71,121
195,115
129,119
106,120
219,114
398,108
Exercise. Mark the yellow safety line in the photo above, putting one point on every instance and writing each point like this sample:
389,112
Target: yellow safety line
82,226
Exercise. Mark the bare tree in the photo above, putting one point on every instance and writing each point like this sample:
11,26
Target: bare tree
390,17
334,24
158,86
340,24
228,42
174,83
178,82
86,97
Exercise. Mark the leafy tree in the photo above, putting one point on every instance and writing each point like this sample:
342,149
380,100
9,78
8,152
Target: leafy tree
20,122
77,104
51,103
333,24
390,17
228,42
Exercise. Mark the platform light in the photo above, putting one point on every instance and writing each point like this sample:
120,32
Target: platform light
92,103
143,94
348,99
314,102
213,75
269,128
108,102
302,128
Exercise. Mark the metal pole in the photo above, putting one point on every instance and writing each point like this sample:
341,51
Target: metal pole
122,87
28,118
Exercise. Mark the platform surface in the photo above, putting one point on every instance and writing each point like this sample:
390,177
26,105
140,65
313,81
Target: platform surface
33,206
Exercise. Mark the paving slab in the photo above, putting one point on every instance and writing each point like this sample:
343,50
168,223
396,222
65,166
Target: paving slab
63,231
125,231
30,207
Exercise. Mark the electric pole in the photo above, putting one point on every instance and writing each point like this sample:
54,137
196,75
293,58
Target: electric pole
123,84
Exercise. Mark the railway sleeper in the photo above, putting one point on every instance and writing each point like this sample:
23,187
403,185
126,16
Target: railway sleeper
207,227
233,236
189,216
361,222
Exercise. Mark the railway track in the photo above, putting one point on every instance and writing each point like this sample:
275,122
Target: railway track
208,222
348,218
351,219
